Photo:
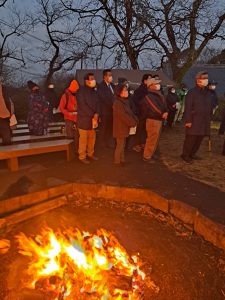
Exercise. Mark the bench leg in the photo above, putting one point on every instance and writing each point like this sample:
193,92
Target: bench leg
70,152
13,164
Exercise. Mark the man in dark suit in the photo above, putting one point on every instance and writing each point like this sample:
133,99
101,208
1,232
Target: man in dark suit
197,115
106,99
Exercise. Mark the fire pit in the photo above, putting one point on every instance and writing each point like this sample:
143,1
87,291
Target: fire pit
65,254
76,265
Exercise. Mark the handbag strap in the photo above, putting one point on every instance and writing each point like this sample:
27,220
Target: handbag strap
153,105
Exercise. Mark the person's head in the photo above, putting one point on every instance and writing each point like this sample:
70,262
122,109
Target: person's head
154,84
122,80
212,85
156,76
107,76
146,77
74,86
202,79
32,86
172,90
51,86
121,91
89,80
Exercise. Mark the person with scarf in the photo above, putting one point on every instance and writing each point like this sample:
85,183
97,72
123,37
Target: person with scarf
123,120
5,114
38,110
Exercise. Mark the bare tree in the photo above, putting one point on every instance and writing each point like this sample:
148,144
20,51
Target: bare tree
11,28
124,36
182,29
64,41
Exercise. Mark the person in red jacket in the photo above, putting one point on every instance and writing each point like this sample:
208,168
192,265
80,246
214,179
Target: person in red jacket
68,107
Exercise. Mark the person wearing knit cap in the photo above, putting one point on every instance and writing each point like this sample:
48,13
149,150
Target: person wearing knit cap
68,107
38,115
197,117
5,107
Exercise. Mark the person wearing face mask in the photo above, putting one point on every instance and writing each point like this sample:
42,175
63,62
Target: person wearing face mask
155,110
106,98
123,120
140,137
87,118
197,117
172,99
68,107
214,98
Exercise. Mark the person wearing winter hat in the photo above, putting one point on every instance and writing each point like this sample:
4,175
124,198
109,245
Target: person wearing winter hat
197,117
68,107
38,115
5,107
123,120
51,96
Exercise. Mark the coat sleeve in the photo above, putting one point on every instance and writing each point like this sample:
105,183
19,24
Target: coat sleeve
62,105
188,111
123,116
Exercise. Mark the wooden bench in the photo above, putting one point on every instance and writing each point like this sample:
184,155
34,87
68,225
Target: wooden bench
25,131
12,152
35,138
25,125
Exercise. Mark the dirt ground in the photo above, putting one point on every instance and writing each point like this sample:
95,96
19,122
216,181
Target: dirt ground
182,265
201,185
210,170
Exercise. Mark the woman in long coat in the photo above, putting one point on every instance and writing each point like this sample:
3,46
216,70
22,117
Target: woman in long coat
38,114
123,120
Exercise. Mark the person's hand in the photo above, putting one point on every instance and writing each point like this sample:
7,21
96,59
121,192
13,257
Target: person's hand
165,115
188,125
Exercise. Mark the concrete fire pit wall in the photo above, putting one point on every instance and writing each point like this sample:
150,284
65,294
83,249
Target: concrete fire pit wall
190,216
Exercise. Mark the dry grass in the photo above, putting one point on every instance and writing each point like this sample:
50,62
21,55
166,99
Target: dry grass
210,170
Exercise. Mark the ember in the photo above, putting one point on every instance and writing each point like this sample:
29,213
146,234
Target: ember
75,265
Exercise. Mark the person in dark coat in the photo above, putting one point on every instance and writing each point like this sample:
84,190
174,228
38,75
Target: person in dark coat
87,118
140,136
105,92
171,100
222,124
214,98
5,113
51,97
123,120
197,117
155,111
38,114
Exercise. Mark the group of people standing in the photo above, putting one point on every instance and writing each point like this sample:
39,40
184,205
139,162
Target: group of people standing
124,120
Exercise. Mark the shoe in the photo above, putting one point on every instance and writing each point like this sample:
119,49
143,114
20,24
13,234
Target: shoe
137,148
94,158
148,160
85,161
186,159
195,157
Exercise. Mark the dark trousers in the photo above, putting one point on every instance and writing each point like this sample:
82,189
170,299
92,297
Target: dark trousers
72,132
222,124
5,131
191,145
119,151
140,137
105,136
171,117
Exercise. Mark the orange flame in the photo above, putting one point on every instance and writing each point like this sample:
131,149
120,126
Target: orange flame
74,264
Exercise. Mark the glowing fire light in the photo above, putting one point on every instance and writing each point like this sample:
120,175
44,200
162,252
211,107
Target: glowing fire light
79,265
